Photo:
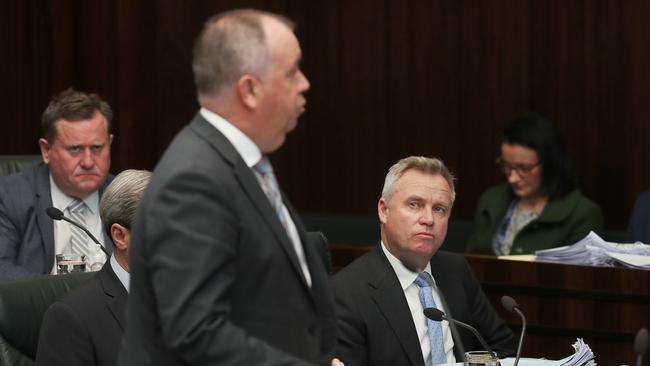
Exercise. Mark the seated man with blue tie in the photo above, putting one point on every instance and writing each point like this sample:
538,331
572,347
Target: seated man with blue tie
76,151
381,296
85,328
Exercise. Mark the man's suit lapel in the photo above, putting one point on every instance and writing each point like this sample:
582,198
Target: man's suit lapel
391,301
250,185
115,292
44,222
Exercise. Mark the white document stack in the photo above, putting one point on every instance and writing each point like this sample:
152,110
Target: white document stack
593,250
583,356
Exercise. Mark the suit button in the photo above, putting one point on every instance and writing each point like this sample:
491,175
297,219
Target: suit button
311,329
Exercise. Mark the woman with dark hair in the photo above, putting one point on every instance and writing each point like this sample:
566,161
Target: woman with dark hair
539,207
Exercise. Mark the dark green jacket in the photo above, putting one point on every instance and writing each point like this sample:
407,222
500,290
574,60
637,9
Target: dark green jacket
563,221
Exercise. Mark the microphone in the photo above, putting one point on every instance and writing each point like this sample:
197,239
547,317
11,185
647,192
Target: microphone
641,345
437,315
56,214
511,305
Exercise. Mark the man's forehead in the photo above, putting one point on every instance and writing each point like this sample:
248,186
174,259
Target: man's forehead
420,179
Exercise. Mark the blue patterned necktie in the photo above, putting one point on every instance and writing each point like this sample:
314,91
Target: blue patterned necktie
424,282
271,188
78,239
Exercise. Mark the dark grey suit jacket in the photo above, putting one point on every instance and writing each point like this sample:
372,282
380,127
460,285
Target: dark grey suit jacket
214,277
26,232
375,323
85,327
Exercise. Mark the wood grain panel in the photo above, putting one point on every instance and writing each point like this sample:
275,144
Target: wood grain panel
389,79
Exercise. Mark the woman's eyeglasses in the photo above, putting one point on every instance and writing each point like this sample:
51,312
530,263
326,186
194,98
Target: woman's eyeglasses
522,170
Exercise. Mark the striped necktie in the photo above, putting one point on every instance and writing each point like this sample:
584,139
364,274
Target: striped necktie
78,238
270,187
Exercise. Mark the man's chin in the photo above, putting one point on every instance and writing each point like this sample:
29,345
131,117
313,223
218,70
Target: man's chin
88,187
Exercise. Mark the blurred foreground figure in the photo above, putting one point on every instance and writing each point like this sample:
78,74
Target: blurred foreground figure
222,272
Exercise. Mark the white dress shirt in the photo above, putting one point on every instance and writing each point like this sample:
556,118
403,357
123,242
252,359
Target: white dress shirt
407,278
121,273
251,155
62,230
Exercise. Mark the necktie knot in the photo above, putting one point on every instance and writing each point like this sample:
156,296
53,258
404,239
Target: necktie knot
423,280
270,187
264,166
77,206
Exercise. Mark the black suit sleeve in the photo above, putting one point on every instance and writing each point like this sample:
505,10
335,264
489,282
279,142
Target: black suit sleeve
64,339
351,348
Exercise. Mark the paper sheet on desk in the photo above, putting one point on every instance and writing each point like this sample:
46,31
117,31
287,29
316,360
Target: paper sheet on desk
632,260
593,250
583,356
523,362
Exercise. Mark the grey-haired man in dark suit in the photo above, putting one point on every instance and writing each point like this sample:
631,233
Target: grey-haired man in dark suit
85,327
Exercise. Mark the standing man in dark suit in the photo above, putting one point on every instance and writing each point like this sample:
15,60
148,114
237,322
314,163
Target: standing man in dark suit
76,151
380,297
85,327
222,273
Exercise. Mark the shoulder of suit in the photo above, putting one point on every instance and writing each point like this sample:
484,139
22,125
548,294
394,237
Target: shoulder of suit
82,297
28,173
358,269
448,257
26,179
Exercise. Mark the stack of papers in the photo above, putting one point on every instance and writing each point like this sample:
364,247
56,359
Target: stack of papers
593,250
583,356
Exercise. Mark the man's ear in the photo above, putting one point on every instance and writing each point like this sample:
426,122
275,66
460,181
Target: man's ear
45,150
248,90
382,210
120,236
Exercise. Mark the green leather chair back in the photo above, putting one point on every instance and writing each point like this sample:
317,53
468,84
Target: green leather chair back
22,306
10,164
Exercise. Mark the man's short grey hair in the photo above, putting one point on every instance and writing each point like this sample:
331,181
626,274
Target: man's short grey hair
421,163
230,45
121,198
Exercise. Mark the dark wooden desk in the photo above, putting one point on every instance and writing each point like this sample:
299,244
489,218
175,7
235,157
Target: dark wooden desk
604,306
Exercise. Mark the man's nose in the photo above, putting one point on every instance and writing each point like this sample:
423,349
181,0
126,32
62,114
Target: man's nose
87,160
305,84
427,217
